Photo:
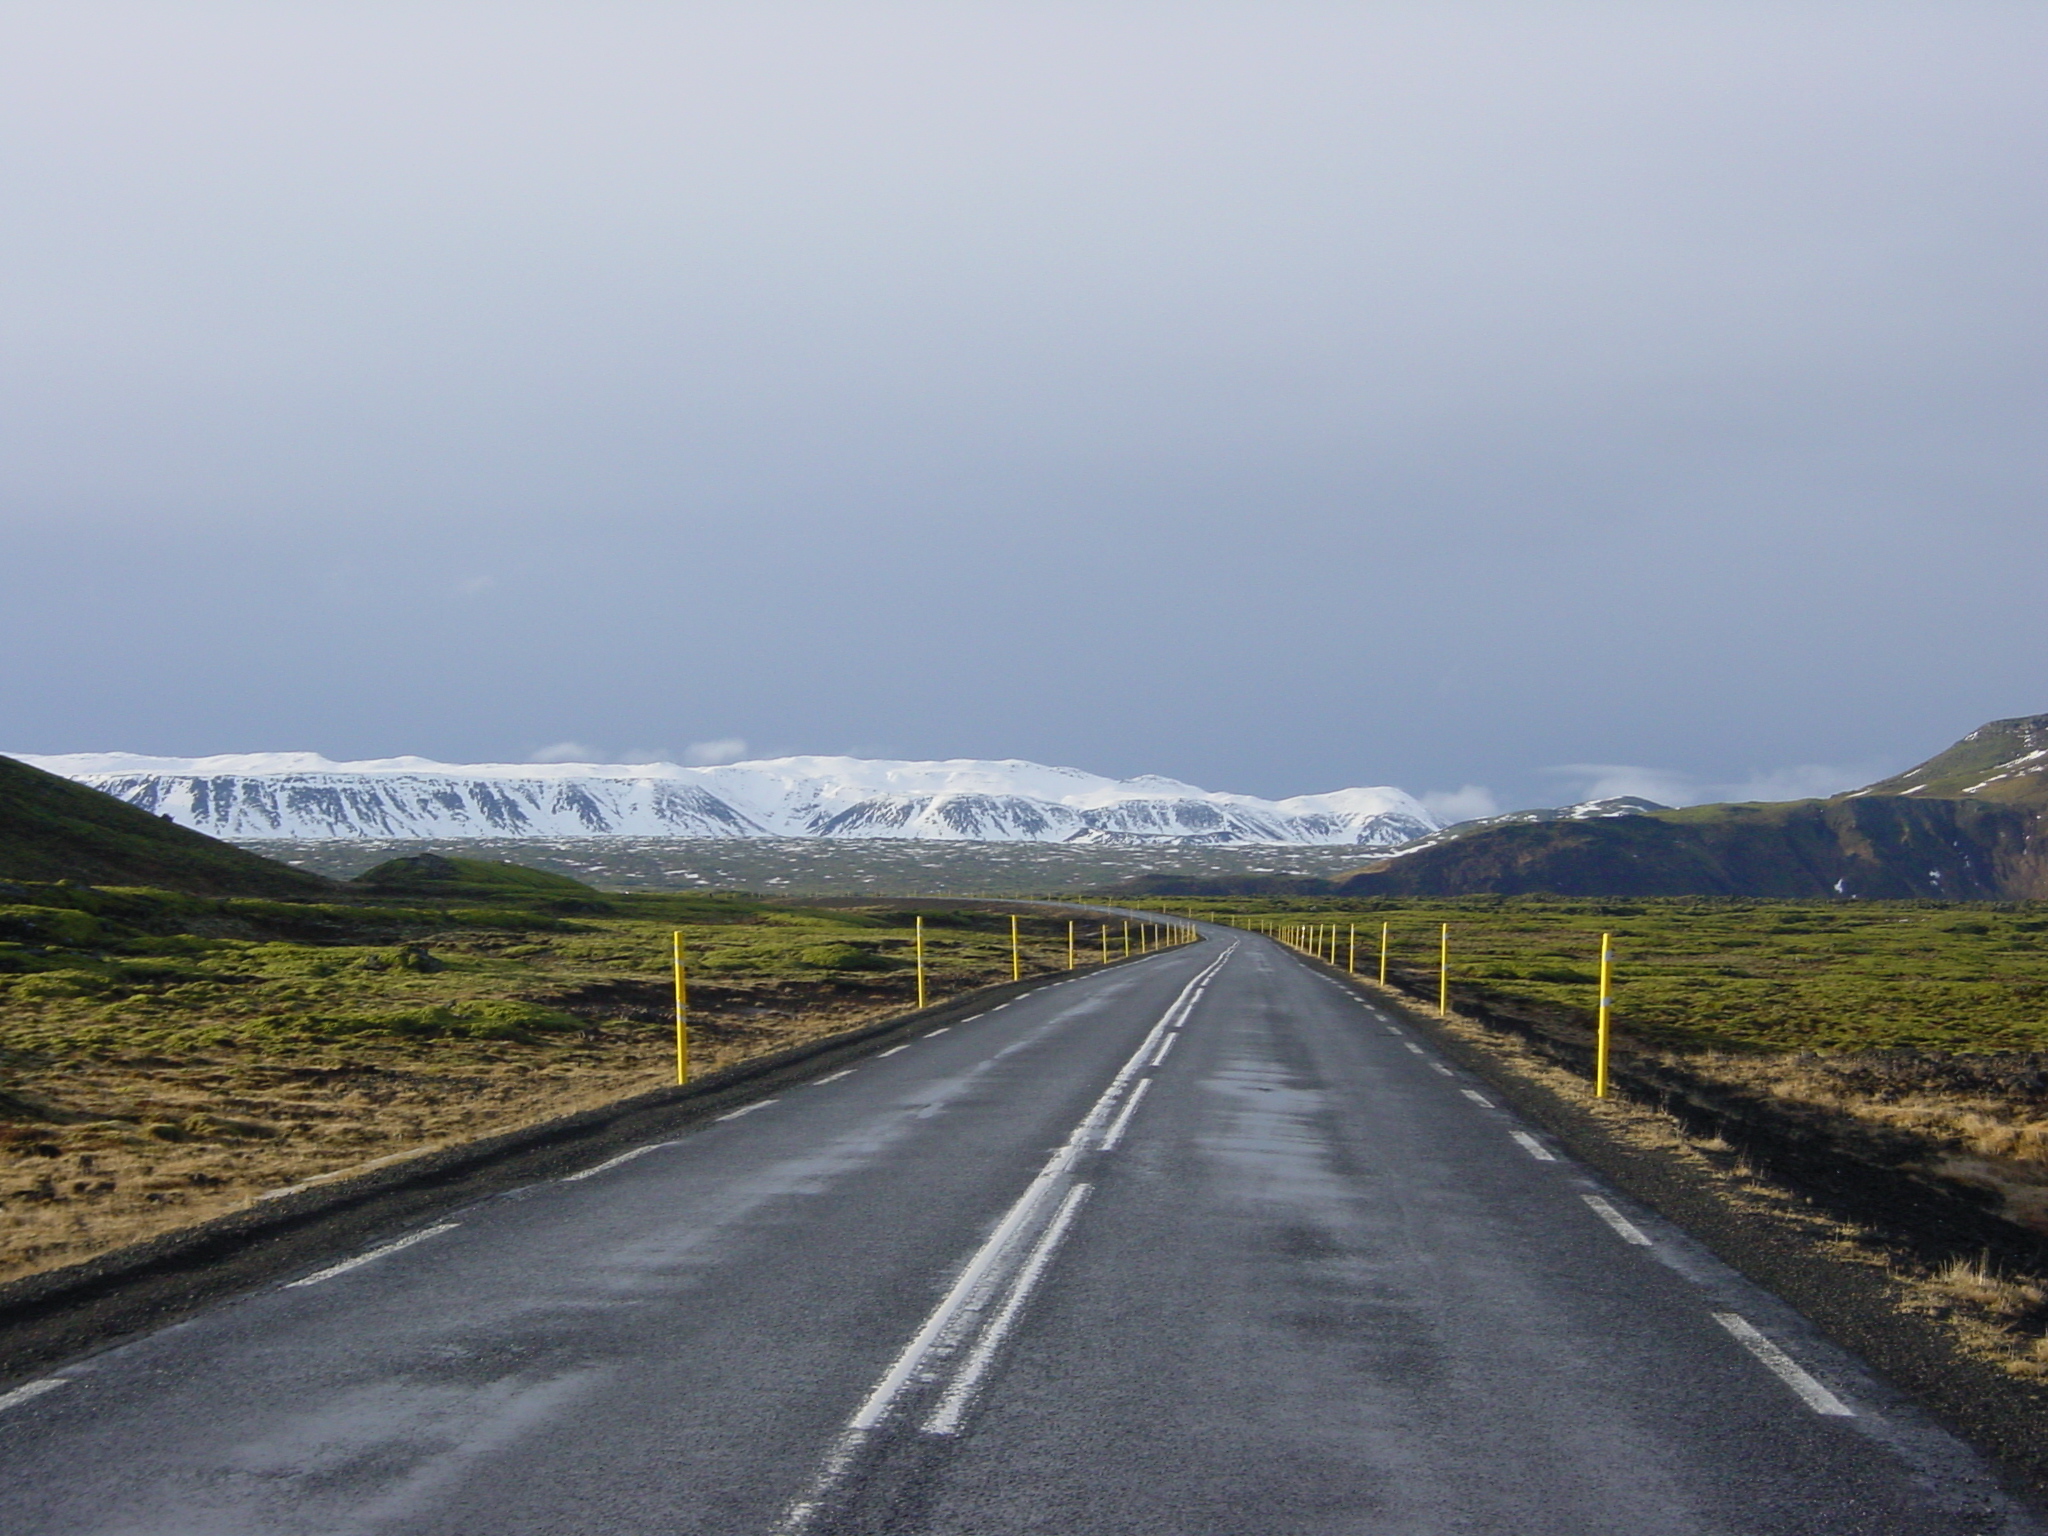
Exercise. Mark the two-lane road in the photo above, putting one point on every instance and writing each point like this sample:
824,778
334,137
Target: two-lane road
1200,1244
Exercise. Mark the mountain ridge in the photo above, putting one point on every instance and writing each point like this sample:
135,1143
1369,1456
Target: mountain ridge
304,796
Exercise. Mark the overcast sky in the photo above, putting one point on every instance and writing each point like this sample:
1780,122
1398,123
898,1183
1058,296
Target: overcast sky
1532,396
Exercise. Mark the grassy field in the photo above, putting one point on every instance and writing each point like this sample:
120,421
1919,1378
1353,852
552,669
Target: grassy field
164,1058
1731,976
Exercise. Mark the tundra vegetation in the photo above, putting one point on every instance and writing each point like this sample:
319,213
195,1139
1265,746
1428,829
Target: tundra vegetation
166,1057
1919,1030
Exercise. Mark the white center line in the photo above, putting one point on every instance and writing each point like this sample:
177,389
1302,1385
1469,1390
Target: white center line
623,1157
1477,1098
833,1077
945,1419
1440,1067
891,1051
33,1389
1116,1127
1628,1230
1164,1046
1413,1046
941,1029
1533,1147
747,1109
1785,1368
909,1365
375,1253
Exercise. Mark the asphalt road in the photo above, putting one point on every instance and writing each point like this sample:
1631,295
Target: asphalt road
1203,1244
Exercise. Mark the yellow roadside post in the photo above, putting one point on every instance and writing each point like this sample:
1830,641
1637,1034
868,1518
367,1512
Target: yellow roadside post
1384,927
1443,974
1351,952
920,962
1105,943
1070,943
1606,999
1016,953
1127,938
682,1013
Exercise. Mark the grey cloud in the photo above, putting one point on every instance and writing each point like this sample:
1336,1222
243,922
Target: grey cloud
1274,396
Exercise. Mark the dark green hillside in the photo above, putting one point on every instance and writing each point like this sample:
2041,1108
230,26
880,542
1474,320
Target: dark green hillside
53,829
1875,848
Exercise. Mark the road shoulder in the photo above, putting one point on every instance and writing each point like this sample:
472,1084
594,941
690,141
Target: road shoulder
1835,1274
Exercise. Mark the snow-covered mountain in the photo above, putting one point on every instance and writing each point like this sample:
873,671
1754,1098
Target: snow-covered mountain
304,796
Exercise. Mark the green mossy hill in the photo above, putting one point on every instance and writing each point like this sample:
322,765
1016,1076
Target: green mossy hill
53,829
2006,760
1888,848
429,874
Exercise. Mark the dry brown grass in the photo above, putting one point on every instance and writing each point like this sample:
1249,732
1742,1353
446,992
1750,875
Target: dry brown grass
169,1143
1995,1140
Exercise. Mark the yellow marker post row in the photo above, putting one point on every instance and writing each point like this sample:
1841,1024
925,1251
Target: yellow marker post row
682,1012
1602,1040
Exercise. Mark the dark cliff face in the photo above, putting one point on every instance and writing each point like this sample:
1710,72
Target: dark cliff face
1873,847
53,829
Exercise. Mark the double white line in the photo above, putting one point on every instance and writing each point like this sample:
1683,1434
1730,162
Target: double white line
994,1285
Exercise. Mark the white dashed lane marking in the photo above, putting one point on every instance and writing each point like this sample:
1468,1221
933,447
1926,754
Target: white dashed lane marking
1628,1231
833,1077
31,1391
1477,1098
891,1051
747,1109
360,1259
1785,1368
623,1157
1532,1146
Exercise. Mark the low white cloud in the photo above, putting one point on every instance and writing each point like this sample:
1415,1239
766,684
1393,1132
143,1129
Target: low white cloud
705,753
1805,781
1467,803
642,755
566,752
